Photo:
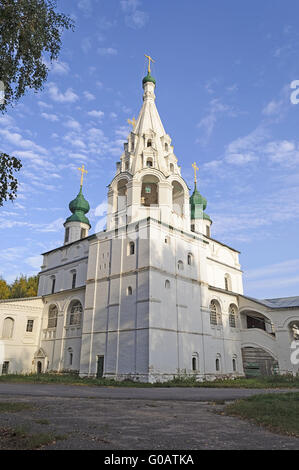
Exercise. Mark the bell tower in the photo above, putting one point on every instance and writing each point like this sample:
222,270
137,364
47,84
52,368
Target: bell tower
148,181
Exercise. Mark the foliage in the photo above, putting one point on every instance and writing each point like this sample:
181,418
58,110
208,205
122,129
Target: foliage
277,412
8,182
274,382
29,29
23,286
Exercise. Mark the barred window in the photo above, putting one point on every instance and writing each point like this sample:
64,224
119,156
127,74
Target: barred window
52,316
75,312
232,316
215,313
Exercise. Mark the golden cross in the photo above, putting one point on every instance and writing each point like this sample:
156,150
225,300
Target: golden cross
149,62
82,174
195,170
133,122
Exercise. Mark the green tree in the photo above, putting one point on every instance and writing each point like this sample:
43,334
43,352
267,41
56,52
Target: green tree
24,286
4,289
30,30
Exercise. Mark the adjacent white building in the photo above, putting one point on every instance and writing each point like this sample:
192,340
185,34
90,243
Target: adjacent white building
152,296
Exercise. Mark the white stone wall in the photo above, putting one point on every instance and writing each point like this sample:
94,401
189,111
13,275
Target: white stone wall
19,350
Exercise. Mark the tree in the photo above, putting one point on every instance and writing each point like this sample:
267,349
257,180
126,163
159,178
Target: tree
24,286
4,289
30,30
8,182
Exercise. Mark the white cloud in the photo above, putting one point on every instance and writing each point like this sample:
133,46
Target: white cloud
134,17
50,117
17,140
72,124
96,114
60,68
68,97
272,108
107,51
101,209
208,122
89,96
34,261
42,104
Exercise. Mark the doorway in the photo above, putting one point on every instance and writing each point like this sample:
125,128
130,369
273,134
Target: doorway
100,366
39,367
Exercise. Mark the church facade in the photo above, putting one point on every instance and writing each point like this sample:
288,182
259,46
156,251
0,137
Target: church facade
152,296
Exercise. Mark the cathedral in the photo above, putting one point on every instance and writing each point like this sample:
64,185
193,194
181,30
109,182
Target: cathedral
153,295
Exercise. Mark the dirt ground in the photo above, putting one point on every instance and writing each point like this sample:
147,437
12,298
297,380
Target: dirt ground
95,422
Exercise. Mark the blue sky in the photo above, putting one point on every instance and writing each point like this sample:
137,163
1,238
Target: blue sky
223,72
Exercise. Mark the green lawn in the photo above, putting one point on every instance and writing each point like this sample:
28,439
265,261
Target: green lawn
277,412
72,379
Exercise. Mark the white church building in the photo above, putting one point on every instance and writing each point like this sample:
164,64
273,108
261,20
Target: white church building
152,296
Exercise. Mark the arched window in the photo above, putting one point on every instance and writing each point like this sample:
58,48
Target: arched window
74,278
52,316
149,143
195,362
67,235
227,282
129,290
167,284
53,282
149,191
215,313
177,198
149,162
234,365
189,259
166,147
232,316
208,231
83,232
217,364
70,352
8,327
75,312
122,194
131,248
180,265
294,330
171,167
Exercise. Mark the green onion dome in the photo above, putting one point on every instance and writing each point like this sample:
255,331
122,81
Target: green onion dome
198,205
79,207
149,78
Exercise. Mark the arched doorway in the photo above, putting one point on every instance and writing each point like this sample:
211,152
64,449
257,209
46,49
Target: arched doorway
39,367
149,191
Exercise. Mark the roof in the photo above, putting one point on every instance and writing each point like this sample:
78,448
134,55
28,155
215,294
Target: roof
280,302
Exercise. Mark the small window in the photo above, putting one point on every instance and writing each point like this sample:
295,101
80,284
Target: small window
83,232
208,231
74,278
53,285
194,363
127,166
227,282
29,327
166,147
70,351
217,364
189,259
180,266
149,162
234,365
67,235
213,313
171,167
131,248
52,316
149,143
167,284
129,290
167,240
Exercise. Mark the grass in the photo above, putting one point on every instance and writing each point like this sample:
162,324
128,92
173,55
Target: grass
276,412
277,381
20,439
6,407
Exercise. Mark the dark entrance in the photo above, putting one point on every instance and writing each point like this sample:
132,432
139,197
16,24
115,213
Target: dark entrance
39,367
100,366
